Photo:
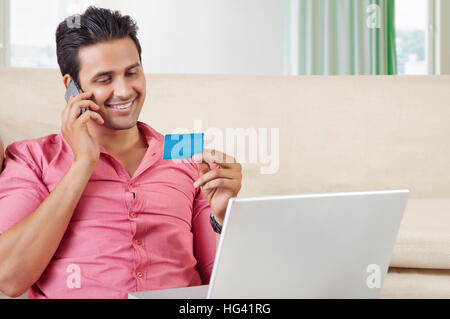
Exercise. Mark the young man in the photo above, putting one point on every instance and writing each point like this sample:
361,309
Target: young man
94,212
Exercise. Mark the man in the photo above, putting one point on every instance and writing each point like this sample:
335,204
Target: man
94,212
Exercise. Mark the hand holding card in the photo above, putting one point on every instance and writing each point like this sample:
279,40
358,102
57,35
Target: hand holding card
220,178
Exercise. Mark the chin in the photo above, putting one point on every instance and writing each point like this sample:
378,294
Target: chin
118,122
121,125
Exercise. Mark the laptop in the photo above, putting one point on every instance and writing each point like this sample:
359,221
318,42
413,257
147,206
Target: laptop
332,245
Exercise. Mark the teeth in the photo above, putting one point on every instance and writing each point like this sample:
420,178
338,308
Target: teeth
121,107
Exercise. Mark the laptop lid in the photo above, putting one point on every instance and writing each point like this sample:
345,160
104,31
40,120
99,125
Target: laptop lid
335,245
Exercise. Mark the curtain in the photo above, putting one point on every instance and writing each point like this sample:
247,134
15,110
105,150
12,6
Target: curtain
346,37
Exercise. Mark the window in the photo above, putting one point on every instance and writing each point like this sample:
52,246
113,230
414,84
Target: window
4,32
412,36
28,40
32,30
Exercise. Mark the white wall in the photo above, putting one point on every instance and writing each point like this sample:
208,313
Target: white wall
208,36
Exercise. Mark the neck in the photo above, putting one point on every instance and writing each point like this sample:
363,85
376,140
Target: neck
119,142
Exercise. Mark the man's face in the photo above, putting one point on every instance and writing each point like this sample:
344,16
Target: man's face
113,73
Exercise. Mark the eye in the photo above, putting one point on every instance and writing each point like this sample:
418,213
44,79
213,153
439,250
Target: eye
132,73
103,80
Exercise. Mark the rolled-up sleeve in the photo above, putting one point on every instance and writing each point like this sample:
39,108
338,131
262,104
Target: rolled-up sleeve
21,186
204,237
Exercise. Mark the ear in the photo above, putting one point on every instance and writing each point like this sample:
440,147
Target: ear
66,80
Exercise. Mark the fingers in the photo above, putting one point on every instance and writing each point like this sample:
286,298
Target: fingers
213,156
218,173
74,99
89,115
77,106
227,175
66,110
223,183
82,96
73,109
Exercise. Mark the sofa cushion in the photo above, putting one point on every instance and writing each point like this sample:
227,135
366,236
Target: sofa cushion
423,240
416,283
335,133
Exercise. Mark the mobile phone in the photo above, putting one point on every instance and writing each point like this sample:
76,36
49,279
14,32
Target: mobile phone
73,90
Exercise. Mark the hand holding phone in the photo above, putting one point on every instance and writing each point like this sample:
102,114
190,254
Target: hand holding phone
74,125
73,90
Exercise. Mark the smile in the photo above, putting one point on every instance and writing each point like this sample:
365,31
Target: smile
121,106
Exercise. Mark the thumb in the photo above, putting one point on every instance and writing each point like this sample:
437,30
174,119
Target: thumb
203,168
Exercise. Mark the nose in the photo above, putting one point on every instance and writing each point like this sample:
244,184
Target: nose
123,90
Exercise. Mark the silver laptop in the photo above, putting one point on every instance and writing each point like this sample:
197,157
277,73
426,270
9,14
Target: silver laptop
335,245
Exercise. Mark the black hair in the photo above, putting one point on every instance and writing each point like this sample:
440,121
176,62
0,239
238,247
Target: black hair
95,25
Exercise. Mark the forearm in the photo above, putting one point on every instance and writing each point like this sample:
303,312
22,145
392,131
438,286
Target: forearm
27,248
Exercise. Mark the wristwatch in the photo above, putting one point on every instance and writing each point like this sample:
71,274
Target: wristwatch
215,225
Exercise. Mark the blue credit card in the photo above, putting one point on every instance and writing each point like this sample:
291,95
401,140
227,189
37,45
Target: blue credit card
178,146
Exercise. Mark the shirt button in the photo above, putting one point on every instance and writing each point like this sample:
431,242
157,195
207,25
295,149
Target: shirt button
137,242
139,274
130,185
133,215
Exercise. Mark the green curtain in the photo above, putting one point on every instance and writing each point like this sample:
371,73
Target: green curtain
347,37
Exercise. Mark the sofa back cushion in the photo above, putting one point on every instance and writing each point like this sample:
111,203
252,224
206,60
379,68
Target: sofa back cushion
337,133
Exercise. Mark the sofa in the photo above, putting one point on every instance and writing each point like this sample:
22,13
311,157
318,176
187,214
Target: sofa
335,133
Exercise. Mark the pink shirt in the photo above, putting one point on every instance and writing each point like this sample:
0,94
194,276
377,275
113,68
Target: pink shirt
151,231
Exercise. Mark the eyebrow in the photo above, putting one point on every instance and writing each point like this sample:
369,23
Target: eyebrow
103,73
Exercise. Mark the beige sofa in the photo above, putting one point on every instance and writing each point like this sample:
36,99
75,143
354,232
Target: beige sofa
336,134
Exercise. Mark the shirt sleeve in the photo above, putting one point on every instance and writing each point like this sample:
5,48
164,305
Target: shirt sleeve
204,237
21,186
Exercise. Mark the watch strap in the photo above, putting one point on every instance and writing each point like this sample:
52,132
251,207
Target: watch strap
215,225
